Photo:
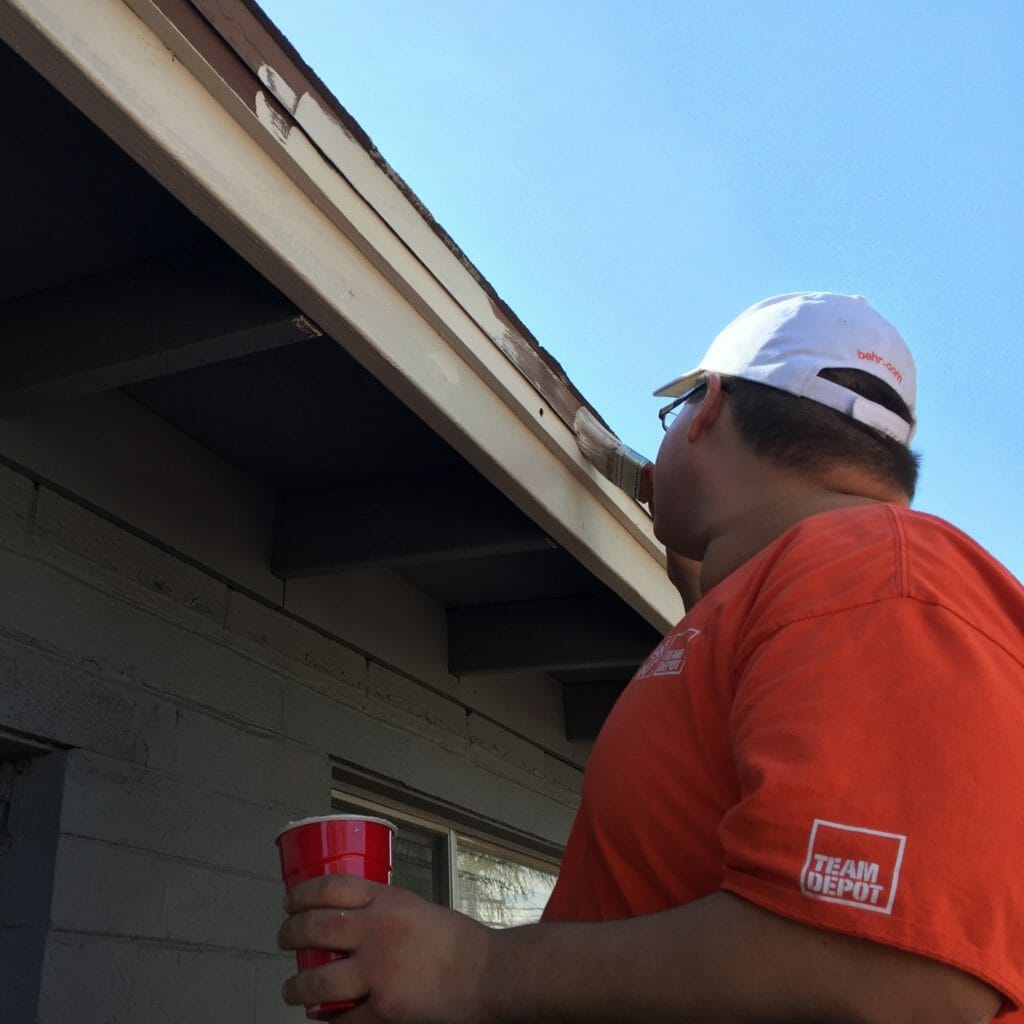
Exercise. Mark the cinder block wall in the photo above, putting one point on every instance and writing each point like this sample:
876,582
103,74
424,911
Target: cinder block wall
188,721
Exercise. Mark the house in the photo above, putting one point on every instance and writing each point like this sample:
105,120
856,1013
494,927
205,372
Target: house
291,518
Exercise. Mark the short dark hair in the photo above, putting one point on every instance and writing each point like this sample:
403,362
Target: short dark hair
802,434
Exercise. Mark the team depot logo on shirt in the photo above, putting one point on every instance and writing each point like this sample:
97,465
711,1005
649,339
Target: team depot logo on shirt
857,867
669,657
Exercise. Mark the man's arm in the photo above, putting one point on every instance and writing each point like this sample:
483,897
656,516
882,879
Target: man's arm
719,959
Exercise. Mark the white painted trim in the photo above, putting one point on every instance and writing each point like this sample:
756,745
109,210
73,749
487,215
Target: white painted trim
333,254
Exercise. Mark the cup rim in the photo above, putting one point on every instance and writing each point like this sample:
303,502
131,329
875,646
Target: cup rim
336,817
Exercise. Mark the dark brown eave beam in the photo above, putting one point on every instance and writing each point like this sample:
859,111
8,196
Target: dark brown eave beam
409,520
559,634
173,312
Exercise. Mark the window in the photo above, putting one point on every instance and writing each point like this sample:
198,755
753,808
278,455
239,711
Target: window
492,882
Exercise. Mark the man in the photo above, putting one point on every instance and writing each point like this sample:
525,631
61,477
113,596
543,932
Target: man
806,805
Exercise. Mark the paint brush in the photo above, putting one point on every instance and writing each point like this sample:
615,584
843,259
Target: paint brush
613,459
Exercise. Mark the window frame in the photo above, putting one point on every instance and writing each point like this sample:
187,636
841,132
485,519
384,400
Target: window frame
348,796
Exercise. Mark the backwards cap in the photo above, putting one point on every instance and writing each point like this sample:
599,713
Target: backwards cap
785,341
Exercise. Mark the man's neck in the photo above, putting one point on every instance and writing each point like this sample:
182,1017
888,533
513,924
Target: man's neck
755,525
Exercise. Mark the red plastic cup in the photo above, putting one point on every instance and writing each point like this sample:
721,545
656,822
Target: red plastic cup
336,844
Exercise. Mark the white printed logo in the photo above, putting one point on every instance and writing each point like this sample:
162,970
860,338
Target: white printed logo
858,867
669,657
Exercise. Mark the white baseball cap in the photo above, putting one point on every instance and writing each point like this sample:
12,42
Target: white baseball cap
787,340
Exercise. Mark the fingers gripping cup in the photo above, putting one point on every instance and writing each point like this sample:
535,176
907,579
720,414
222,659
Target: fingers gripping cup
336,844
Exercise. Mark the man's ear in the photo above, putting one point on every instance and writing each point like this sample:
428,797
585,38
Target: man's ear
710,408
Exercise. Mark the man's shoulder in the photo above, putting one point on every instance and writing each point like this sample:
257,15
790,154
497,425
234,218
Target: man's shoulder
877,552
889,530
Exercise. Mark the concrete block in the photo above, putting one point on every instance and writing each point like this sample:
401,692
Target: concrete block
361,609
26,880
505,751
566,778
219,908
194,669
268,865
133,646
323,662
17,501
581,750
16,747
314,717
271,974
6,783
273,820
108,889
126,804
437,770
228,757
21,961
529,703
47,696
305,779
114,453
93,979
69,529
533,813
323,723
414,701
154,731
210,675
36,793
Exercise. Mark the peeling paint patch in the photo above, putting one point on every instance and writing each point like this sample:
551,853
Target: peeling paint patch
277,124
538,367
510,344
279,88
513,348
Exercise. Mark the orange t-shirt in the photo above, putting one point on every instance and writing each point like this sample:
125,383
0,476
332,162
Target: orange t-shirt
836,733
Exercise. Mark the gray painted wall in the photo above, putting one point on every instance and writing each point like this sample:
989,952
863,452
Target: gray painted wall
191,715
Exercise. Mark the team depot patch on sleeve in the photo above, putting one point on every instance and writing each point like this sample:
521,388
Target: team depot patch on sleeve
669,657
858,867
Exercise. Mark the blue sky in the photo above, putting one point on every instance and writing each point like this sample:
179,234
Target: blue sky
631,175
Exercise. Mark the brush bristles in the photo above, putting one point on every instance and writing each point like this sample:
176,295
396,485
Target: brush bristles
613,459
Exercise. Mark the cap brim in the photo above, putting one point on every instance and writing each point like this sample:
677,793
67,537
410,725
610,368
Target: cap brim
679,386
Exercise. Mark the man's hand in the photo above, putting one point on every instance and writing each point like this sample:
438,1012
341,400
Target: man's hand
410,961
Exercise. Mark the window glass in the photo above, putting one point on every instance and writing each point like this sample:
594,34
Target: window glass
500,891
418,861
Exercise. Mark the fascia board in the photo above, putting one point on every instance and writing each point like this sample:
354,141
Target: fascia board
282,204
